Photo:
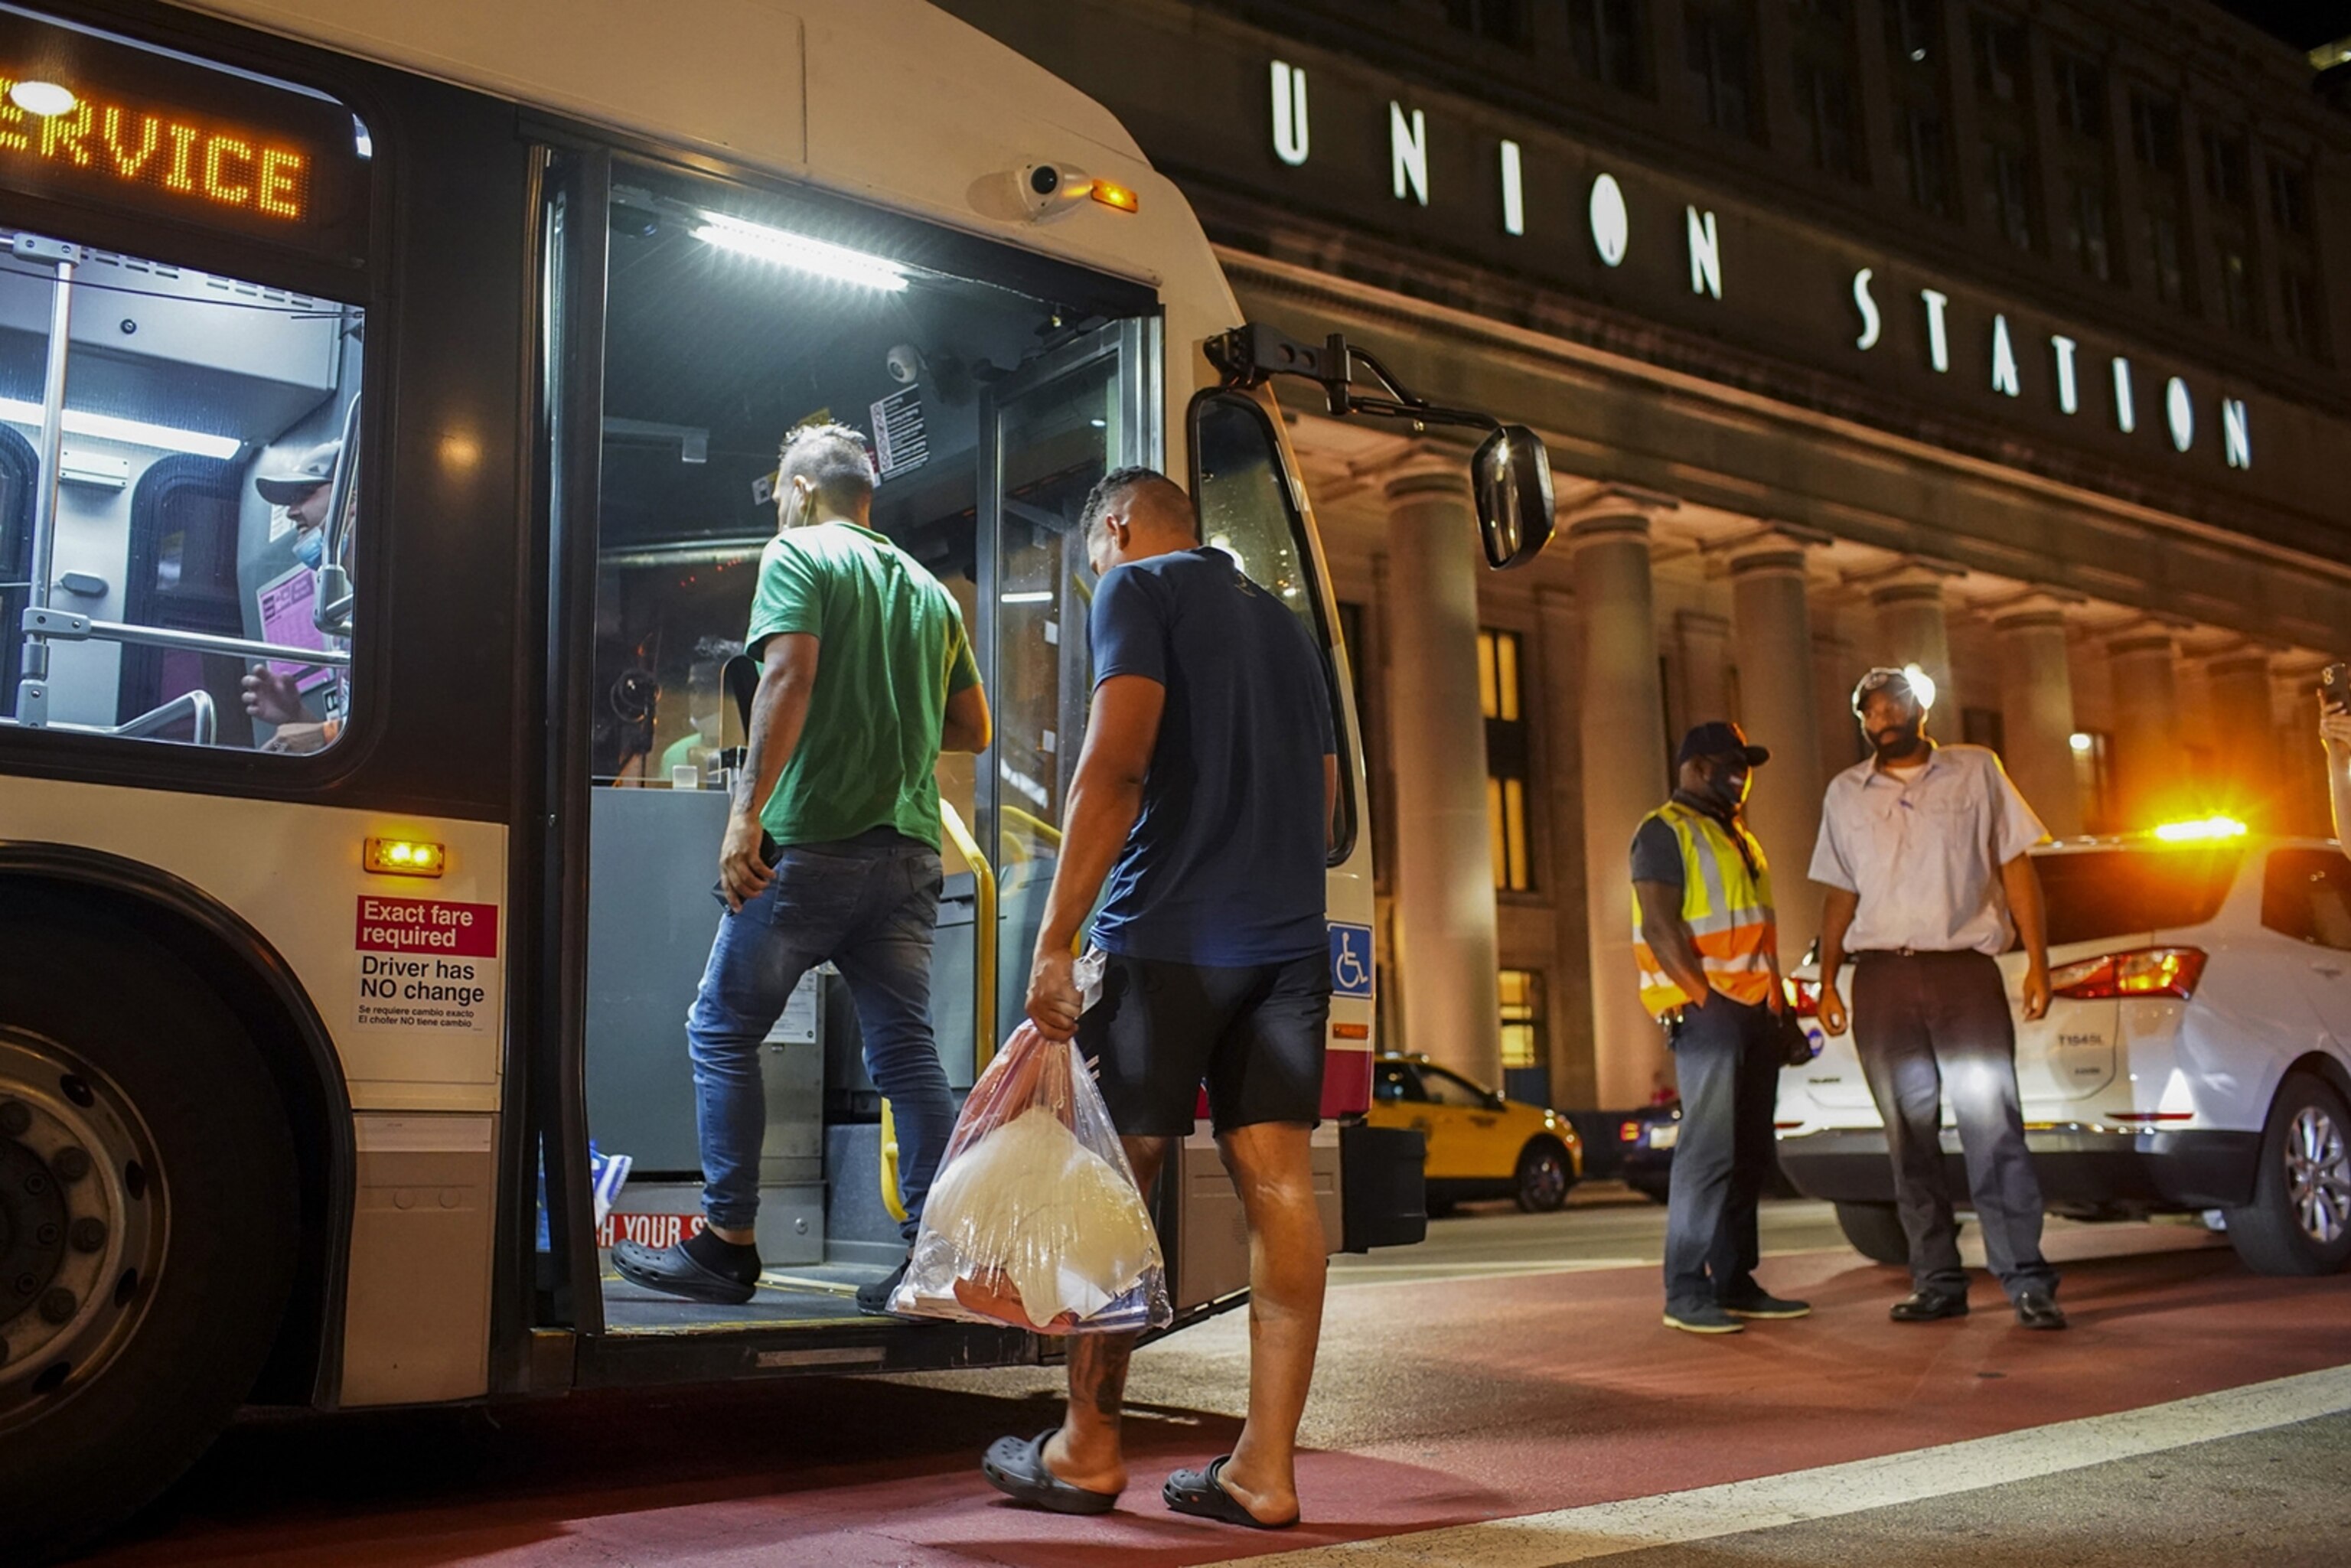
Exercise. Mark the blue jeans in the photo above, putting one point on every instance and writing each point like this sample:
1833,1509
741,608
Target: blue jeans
870,904
1725,1059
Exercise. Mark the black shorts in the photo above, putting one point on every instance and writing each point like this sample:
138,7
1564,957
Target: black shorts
1254,1035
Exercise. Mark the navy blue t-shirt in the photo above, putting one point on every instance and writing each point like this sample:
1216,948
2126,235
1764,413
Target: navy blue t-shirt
1225,866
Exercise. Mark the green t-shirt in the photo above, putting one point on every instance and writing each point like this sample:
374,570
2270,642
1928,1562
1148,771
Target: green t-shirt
891,651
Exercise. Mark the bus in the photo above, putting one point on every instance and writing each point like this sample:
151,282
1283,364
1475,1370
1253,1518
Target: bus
389,398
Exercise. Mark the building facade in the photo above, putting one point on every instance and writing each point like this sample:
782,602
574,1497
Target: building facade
2000,337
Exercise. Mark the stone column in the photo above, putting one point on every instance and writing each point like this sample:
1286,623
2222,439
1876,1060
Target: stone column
2148,761
2036,711
1569,1000
1773,632
1706,670
2245,730
1624,744
1444,886
1911,630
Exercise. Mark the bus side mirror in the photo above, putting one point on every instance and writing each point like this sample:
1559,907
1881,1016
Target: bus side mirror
1511,477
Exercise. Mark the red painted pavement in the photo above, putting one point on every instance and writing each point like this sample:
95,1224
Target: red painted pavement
1435,1404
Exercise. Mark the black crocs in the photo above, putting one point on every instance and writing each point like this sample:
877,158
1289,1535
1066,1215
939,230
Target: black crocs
1200,1494
1016,1466
675,1271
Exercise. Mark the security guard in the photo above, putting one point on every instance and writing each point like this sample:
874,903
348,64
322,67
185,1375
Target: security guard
1704,936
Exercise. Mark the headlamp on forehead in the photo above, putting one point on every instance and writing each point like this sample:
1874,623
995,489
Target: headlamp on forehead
1909,681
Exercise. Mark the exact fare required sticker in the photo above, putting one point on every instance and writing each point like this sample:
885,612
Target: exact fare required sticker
425,963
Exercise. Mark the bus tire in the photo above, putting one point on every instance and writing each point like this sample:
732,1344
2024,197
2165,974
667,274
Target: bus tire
2297,1223
1875,1231
152,1321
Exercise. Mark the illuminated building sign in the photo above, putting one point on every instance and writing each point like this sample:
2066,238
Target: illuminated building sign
153,148
97,121
2065,377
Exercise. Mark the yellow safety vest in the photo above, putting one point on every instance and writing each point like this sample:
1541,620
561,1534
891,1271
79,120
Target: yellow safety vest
1727,908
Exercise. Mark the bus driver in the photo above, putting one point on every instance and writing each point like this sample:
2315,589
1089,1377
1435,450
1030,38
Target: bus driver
306,490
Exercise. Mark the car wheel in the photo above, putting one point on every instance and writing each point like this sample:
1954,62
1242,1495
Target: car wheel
1875,1231
148,1226
1544,1175
2300,1220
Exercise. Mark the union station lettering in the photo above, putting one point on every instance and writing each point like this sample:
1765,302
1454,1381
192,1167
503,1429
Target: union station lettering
2015,360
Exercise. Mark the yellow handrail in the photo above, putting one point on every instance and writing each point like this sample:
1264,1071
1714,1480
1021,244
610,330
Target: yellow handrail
1034,826
983,936
983,953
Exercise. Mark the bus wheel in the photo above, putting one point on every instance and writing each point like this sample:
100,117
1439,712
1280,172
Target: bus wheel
147,1224
2300,1220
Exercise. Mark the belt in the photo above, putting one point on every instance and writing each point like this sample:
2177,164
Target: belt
1917,953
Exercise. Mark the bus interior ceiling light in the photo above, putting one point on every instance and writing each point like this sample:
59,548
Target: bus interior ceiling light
800,253
42,98
132,432
2203,829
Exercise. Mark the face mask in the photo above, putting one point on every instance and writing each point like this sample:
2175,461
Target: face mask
310,548
1727,791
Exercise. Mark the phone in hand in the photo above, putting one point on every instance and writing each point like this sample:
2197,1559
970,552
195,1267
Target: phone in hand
2334,686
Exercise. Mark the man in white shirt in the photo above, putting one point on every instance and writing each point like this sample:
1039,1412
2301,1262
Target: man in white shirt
1922,851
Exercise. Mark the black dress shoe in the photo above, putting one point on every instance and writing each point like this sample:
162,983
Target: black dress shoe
1926,1306
2039,1310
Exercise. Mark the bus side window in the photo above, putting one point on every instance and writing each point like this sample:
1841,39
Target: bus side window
201,444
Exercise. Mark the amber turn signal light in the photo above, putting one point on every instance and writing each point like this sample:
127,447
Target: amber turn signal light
406,857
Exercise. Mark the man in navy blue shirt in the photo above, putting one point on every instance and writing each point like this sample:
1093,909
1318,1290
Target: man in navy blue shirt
1204,796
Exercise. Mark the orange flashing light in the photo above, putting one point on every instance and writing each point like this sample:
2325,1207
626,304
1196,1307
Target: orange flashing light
112,142
2203,829
1351,1031
1111,194
406,857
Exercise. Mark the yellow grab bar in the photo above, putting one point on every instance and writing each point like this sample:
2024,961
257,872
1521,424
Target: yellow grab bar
983,954
890,1200
1035,827
983,937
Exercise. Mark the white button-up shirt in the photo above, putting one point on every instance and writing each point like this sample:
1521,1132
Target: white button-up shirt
1924,856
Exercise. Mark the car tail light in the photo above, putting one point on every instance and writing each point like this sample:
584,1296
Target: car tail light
1804,996
2142,972
1630,1133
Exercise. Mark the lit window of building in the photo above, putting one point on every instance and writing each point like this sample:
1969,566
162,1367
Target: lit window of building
1501,697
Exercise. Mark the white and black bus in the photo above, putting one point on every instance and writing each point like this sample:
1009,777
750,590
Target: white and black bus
390,392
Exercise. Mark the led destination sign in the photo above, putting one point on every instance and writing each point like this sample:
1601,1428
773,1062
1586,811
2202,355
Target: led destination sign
102,121
75,134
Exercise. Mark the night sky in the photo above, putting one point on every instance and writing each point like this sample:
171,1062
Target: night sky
2305,24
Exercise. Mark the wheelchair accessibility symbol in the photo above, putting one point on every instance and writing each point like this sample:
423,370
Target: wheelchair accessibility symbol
1351,960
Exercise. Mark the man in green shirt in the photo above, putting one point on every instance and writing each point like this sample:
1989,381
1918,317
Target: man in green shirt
831,850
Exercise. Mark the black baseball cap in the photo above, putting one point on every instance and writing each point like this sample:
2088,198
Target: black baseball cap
1719,738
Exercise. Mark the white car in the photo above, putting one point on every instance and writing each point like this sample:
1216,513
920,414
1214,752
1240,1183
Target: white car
2196,1055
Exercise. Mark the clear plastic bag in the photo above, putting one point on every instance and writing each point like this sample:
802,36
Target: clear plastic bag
1035,1220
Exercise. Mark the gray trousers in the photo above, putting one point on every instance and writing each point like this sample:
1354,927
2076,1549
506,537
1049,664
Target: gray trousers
1725,1060
1922,1022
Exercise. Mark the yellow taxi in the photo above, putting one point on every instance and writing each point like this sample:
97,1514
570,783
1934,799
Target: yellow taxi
1479,1145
